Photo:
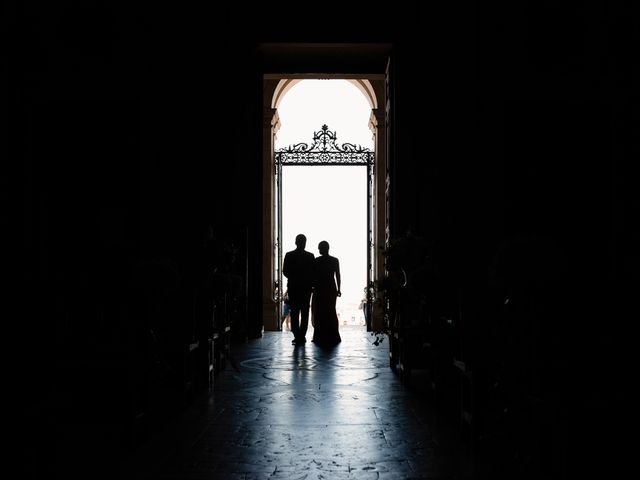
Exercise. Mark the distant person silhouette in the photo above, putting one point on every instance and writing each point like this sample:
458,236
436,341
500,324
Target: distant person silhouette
363,306
286,312
325,292
298,267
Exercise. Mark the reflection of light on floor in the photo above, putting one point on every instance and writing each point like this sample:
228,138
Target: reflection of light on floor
346,317
306,376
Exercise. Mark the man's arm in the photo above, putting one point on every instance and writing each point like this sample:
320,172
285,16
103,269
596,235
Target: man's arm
338,279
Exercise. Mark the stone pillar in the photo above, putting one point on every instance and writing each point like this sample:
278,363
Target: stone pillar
379,209
271,124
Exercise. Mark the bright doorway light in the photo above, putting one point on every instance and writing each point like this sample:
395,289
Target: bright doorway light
328,202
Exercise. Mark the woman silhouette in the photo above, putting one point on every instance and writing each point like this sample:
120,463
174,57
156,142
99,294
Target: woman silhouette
326,290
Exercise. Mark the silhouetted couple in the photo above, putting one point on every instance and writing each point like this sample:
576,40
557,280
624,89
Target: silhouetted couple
320,276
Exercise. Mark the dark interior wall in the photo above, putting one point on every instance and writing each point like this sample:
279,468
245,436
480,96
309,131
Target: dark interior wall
504,118
515,138
138,126
136,130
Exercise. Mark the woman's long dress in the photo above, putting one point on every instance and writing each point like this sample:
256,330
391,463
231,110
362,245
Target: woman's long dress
325,292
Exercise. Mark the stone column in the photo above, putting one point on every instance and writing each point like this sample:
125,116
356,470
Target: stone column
379,208
271,123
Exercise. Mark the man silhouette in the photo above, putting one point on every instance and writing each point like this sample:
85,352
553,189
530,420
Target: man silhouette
298,268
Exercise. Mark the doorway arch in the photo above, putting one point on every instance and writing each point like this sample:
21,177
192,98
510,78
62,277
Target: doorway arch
275,88
362,84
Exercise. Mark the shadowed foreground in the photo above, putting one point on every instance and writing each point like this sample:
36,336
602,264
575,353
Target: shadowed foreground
304,412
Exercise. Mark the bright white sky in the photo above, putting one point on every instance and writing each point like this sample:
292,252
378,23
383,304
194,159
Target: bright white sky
328,202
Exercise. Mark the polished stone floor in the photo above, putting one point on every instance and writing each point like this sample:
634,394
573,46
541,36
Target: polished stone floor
301,412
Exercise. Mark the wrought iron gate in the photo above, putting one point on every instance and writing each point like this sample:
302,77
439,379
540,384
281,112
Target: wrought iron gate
324,151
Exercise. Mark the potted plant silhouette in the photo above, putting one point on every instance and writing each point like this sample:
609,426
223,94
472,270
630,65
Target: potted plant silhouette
406,290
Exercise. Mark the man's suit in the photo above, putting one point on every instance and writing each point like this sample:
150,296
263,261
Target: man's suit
298,268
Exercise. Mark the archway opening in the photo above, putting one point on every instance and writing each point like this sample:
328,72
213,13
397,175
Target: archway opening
328,202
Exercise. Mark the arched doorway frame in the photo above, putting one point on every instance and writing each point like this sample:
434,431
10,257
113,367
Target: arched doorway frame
275,87
362,84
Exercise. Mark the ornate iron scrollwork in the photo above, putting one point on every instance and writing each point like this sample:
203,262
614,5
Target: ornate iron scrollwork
324,151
